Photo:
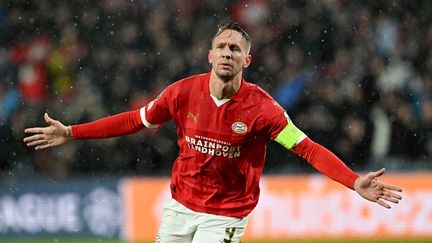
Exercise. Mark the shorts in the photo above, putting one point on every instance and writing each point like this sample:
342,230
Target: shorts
182,225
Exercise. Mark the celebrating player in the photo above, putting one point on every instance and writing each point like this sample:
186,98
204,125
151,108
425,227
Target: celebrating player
223,124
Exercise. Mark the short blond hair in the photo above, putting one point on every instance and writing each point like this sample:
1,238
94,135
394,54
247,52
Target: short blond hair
236,27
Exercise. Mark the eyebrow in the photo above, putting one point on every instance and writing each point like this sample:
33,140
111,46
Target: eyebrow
230,45
247,46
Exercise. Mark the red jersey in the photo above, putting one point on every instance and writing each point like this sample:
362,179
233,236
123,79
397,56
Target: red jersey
222,144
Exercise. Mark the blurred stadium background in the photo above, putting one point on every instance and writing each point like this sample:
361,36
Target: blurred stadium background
356,76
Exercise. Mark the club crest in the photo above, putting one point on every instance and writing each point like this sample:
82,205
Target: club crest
239,127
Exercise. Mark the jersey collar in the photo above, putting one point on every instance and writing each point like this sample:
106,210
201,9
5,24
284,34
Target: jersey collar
236,97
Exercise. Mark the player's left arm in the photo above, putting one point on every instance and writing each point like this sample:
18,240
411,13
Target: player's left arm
326,162
316,155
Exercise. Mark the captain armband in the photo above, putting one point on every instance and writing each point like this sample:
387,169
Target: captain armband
290,136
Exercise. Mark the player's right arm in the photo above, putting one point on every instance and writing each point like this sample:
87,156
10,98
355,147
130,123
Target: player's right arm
57,134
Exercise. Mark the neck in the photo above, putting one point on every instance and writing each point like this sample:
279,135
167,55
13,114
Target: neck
224,89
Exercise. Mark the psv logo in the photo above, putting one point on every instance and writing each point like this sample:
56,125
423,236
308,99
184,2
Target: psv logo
239,127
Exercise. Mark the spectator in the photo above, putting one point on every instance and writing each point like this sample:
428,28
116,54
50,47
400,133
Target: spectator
86,56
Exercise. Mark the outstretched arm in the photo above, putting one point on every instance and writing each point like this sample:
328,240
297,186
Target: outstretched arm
368,186
322,159
57,134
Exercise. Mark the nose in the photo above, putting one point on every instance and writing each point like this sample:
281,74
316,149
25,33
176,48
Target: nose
226,52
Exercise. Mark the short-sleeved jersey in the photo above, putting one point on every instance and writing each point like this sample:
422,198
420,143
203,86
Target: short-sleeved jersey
222,147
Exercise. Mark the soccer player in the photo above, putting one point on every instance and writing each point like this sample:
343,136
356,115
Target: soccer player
223,123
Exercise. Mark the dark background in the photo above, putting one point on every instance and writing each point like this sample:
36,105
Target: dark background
355,76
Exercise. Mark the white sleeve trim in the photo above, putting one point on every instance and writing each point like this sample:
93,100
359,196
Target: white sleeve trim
144,120
302,136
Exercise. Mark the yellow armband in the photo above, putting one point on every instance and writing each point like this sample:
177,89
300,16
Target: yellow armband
289,136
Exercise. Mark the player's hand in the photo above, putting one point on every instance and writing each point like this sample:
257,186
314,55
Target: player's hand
55,134
370,188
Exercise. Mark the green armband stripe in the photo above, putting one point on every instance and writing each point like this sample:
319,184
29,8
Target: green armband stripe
289,136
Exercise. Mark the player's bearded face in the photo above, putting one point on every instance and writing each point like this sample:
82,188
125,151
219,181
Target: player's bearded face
229,54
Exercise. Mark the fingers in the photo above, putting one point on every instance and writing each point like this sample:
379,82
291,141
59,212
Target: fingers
381,200
375,174
34,138
36,143
48,119
40,141
45,137
35,130
382,203
389,197
391,187
392,195
43,146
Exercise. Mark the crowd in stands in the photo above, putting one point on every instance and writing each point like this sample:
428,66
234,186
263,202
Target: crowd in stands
355,76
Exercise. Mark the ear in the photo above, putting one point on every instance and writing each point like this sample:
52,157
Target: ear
209,56
248,61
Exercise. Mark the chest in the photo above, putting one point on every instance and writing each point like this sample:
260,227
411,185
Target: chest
230,122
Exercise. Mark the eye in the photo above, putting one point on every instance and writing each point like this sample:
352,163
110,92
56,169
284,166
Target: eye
220,46
235,48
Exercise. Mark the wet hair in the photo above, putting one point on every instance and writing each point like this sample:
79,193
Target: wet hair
236,27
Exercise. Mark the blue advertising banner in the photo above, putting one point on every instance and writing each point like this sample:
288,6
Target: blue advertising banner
84,208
